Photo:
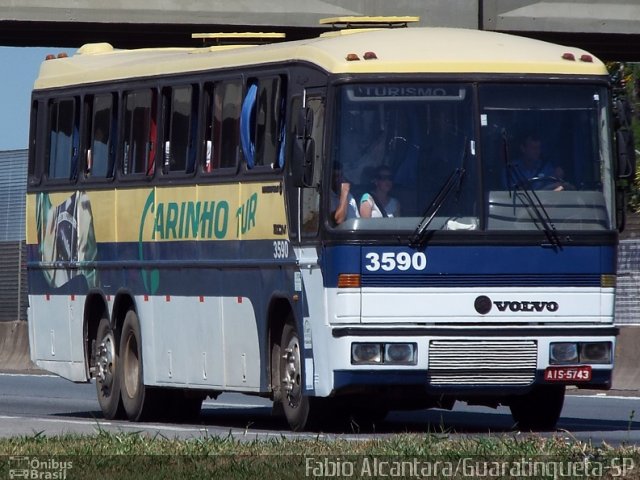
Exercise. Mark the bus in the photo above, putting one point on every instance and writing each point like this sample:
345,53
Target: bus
383,217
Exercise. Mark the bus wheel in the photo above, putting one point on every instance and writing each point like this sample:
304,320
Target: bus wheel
538,410
138,400
107,372
296,406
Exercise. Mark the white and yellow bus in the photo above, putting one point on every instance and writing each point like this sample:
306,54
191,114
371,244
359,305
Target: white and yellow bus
371,220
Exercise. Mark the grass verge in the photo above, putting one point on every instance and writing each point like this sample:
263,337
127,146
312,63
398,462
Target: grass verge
131,455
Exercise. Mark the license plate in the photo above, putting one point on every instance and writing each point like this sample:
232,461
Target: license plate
565,374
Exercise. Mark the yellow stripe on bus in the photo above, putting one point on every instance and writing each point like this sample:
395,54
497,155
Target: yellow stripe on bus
249,211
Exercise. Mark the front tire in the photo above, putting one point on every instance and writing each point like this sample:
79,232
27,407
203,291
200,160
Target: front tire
296,405
138,400
107,373
538,410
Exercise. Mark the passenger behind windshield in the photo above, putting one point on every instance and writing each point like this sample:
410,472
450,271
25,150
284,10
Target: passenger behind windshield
343,204
532,169
422,134
378,203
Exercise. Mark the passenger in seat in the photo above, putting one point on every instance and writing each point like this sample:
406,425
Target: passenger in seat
379,203
343,205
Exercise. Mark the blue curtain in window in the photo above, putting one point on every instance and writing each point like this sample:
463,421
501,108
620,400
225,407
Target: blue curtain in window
248,146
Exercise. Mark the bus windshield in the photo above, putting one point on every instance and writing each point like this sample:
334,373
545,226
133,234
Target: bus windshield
542,159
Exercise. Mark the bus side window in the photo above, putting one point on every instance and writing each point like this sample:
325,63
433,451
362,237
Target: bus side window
152,140
181,113
100,153
271,116
248,124
223,102
212,129
230,121
140,133
264,130
34,148
310,218
63,139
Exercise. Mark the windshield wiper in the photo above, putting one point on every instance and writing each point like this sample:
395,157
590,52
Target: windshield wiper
454,179
515,176
432,210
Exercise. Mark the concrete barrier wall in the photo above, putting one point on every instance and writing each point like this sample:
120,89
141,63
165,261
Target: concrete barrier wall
626,373
14,347
627,367
628,291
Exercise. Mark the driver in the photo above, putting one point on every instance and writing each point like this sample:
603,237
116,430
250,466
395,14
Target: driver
531,167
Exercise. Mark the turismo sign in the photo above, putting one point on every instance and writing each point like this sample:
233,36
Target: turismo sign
406,92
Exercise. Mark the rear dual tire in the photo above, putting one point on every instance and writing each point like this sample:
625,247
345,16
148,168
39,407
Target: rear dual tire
139,401
143,403
120,384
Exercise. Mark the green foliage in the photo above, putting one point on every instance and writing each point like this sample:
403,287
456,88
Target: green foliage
629,76
634,194
633,90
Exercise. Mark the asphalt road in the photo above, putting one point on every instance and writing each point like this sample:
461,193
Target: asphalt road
31,404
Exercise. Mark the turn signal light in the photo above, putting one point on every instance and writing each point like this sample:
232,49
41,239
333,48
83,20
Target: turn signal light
607,281
349,280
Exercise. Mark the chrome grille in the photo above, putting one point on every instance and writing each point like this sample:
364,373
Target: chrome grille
482,362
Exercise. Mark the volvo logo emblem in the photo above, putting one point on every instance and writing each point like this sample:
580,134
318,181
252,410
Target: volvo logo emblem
484,304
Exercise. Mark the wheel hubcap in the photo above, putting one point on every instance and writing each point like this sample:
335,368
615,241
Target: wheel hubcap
105,362
291,372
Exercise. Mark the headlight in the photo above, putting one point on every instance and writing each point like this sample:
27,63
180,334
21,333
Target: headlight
595,352
400,353
563,353
366,353
384,353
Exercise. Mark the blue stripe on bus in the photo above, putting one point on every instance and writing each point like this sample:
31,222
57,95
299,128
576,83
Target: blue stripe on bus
173,268
485,280
181,251
190,280
440,266
468,266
